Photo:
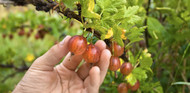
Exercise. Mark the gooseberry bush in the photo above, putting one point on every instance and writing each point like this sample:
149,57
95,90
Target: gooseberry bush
135,32
116,22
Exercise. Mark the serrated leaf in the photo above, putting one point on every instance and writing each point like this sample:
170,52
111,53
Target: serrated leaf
134,19
139,73
131,58
145,60
155,28
88,9
69,3
117,35
131,79
120,14
131,11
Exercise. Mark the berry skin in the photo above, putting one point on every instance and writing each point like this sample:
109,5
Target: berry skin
92,54
122,88
114,63
37,36
126,68
28,34
135,87
4,35
21,32
117,49
11,36
77,45
142,43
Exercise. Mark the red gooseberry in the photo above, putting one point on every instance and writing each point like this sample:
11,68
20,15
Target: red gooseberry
92,54
122,88
126,68
135,87
114,63
117,50
77,45
21,32
37,36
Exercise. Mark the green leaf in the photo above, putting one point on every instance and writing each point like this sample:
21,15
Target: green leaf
134,19
69,3
134,35
145,60
131,11
131,58
181,83
131,79
139,73
87,9
155,28
117,35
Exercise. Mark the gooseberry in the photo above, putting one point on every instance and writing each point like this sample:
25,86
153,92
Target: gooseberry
92,54
126,68
77,45
122,88
117,50
114,63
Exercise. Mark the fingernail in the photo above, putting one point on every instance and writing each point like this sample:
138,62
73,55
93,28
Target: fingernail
63,41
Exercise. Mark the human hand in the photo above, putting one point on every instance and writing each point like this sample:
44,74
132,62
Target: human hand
44,77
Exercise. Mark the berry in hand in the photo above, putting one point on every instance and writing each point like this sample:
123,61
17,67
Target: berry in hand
122,88
92,54
117,49
135,87
77,45
126,68
114,63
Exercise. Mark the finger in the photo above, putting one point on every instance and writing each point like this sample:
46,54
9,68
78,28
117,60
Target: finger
52,56
84,69
101,45
92,82
71,62
103,64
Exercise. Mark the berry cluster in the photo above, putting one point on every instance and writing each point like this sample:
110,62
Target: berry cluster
91,54
124,87
78,46
41,32
125,69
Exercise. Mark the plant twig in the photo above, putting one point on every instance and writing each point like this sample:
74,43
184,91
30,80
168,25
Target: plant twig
145,23
21,69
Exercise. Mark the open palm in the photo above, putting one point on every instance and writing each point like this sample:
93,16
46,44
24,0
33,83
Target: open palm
44,77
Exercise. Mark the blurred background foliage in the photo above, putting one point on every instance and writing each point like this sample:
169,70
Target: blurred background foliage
26,34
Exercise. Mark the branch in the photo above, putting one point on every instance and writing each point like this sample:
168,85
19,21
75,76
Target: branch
145,23
20,69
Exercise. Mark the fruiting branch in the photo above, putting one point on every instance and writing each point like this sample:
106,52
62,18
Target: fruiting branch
47,5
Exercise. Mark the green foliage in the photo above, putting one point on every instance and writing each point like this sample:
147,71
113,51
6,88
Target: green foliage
157,67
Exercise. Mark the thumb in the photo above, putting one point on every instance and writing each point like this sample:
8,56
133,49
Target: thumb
52,57
92,82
